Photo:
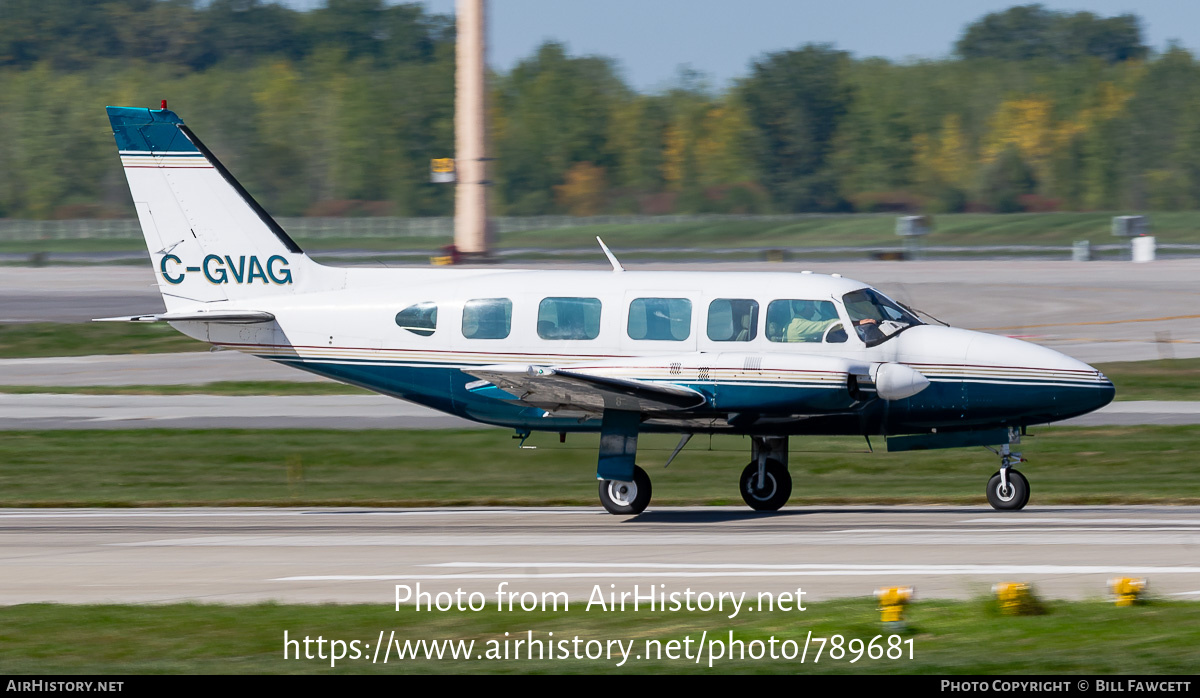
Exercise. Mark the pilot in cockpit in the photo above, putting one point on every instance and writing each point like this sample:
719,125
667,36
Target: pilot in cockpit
875,316
809,321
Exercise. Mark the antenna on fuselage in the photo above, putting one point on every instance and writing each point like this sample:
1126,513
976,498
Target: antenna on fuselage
611,257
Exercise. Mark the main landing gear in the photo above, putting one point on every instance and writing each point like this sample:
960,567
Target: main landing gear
625,489
1008,489
766,483
626,498
624,486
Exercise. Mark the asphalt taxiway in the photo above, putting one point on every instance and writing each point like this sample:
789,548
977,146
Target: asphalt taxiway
358,555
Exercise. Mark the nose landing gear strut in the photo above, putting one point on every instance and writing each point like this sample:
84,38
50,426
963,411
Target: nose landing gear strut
1008,489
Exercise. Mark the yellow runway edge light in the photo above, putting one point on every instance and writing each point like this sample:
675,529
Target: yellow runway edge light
1127,590
1016,599
892,601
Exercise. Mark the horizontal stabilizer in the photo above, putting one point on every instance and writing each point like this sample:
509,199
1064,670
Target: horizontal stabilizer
227,317
556,389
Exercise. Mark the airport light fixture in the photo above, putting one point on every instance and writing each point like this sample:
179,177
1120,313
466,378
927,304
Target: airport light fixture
892,601
1017,599
1127,590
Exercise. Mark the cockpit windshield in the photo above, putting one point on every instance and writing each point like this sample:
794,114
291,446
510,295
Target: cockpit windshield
876,317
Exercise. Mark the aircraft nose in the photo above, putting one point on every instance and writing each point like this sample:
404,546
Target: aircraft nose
1055,385
1105,393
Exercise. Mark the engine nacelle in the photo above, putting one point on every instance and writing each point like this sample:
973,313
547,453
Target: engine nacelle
897,381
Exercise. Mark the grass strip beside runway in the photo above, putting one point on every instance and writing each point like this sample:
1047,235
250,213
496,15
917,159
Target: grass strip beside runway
968,637
817,230
1097,465
1165,379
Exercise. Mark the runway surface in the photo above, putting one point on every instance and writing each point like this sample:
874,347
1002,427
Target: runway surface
42,411
76,294
335,555
49,411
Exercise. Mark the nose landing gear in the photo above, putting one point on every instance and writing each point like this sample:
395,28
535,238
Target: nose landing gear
1008,489
1009,493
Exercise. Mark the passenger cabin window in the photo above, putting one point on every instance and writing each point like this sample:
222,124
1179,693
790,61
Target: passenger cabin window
876,317
660,319
487,318
732,320
569,318
419,319
804,321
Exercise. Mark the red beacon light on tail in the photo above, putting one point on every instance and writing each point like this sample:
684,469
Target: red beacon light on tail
164,105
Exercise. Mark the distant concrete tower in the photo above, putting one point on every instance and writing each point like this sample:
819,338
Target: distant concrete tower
471,235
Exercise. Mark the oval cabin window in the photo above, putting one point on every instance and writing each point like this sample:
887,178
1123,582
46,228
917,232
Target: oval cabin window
419,319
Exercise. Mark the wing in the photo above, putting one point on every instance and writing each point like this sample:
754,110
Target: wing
559,389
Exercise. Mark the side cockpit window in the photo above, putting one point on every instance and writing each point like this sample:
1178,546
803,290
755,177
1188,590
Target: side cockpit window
419,319
793,321
487,318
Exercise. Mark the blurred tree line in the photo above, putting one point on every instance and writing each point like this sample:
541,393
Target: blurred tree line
338,111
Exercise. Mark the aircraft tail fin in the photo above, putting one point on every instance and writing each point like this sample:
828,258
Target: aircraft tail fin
208,238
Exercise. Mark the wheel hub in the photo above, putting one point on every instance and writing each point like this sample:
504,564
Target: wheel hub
768,489
621,492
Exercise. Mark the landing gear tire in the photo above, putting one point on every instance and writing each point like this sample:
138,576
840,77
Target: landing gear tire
776,489
626,498
1014,498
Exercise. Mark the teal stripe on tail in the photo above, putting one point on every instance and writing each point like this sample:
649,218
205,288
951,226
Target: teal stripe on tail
148,130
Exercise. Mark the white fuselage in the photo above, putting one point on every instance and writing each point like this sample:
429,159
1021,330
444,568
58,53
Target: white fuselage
352,333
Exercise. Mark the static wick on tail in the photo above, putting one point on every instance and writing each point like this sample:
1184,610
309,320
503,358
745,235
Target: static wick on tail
611,257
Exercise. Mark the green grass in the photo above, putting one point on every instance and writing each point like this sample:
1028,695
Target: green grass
967,637
218,388
1166,379
23,340
1151,464
859,230
833,230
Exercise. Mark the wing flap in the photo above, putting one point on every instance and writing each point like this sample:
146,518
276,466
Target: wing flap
556,389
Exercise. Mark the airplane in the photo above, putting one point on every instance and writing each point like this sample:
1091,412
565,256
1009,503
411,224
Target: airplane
767,356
